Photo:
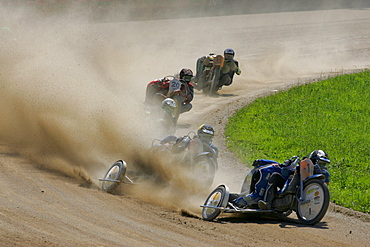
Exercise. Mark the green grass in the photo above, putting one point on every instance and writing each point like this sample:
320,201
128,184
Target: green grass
332,115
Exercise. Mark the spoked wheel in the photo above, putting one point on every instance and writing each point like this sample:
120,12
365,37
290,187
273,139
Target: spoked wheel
204,170
116,174
316,199
218,198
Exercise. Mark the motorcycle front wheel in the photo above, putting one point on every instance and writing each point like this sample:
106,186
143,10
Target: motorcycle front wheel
177,111
214,81
218,198
115,173
316,198
204,171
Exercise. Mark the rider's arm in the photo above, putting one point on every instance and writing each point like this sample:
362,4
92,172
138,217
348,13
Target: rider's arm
231,66
234,67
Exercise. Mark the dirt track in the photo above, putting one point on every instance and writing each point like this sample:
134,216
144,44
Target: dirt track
68,90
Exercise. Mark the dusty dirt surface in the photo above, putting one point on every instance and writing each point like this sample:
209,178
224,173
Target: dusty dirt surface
71,103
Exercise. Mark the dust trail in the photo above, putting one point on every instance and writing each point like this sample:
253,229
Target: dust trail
59,105
72,91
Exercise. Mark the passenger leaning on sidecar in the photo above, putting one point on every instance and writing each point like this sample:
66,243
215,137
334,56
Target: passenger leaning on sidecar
157,90
271,177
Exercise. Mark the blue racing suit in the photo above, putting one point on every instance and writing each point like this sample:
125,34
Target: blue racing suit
269,174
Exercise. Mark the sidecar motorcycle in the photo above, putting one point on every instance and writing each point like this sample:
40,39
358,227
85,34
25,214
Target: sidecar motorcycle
178,152
305,192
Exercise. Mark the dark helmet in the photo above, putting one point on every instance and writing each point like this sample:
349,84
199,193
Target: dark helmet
206,133
186,74
229,51
319,157
229,54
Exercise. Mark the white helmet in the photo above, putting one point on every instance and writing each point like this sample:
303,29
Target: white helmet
169,105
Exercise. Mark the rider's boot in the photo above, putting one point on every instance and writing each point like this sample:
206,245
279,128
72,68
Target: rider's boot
264,205
269,196
243,201
233,196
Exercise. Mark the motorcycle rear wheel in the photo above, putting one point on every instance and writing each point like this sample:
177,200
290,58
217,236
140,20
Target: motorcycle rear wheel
218,198
317,195
116,172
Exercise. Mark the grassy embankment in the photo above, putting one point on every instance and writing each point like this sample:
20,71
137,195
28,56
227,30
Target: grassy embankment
332,115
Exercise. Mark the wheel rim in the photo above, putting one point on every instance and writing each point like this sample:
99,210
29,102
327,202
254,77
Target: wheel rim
213,200
112,174
315,196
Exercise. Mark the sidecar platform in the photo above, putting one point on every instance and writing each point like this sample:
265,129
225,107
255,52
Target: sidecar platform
233,209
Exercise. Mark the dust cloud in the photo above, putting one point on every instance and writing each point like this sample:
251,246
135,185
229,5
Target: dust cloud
67,102
72,89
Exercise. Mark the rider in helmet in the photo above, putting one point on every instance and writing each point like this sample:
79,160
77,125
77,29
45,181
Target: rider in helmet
187,89
206,133
230,67
202,142
157,90
321,158
273,176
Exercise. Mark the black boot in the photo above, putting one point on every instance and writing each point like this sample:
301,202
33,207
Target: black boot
269,196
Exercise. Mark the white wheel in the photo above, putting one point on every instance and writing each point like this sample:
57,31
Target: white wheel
317,197
218,198
116,172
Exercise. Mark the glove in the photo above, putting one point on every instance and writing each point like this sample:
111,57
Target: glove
178,140
287,163
256,163
238,71
240,202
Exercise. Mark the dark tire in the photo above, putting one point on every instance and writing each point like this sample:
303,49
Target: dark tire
204,171
214,81
283,215
116,172
218,198
318,196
